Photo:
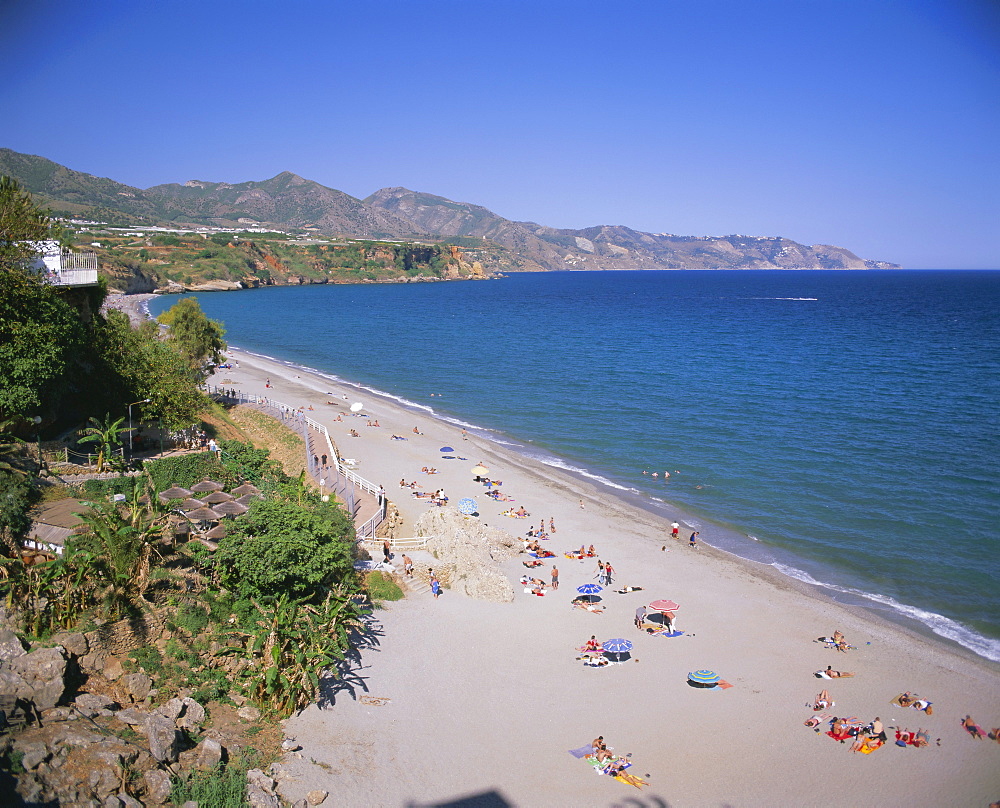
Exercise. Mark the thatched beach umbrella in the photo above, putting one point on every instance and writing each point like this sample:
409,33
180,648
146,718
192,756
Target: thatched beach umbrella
207,486
174,492
231,508
203,514
245,489
218,496
246,499
217,532
191,504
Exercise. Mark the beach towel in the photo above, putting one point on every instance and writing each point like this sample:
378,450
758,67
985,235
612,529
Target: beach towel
664,633
868,747
582,752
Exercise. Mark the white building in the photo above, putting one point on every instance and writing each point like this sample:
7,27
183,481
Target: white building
64,268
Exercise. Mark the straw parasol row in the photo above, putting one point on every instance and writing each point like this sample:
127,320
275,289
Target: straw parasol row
214,505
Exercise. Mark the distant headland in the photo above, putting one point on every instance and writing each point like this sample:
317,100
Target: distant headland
202,235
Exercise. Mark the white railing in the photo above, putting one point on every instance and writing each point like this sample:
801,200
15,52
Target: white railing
73,277
410,543
367,530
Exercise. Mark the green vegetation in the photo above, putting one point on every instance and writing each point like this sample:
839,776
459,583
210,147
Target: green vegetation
222,787
107,435
197,339
381,587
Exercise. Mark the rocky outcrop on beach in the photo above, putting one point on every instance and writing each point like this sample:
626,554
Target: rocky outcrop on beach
472,551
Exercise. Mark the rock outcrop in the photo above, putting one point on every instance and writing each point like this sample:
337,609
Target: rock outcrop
472,552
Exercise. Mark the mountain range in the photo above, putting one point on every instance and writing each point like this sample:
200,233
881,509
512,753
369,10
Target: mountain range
290,202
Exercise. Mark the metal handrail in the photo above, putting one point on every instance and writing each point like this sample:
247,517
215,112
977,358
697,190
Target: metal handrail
369,527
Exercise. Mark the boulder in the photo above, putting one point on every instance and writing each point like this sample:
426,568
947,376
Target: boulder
132,716
137,685
258,798
472,550
74,643
11,645
113,670
193,715
38,676
171,709
206,755
157,787
103,782
92,704
164,739
260,790
33,754
248,713
317,797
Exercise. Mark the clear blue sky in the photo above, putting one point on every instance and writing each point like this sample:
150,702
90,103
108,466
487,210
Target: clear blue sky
869,124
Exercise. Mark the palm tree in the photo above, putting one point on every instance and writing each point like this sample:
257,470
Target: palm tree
105,435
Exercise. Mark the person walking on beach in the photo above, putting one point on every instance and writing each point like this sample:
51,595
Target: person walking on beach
555,577
600,570
435,586
552,525
675,530
608,572
407,566
387,551
640,616
693,541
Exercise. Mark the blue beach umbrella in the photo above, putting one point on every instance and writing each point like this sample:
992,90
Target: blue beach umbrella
703,679
617,646
467,506
447,449
589,589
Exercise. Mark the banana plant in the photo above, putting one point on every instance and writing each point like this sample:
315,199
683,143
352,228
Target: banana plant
106,435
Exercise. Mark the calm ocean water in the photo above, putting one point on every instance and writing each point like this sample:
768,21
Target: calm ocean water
841,426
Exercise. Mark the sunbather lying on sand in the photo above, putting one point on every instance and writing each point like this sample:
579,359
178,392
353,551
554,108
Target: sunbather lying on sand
973,728
533,563
617,769
626,589
586,605
830,673
823,701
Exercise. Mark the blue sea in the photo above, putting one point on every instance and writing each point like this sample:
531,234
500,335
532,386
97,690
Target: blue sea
839,426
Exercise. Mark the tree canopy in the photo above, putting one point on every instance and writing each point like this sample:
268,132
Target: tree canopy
283,547
22,225
197,338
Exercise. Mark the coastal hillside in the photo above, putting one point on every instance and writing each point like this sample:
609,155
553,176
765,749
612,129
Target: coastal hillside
609,246
291,203
286,200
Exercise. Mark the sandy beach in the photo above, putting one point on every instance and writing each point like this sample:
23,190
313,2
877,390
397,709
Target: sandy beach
481,701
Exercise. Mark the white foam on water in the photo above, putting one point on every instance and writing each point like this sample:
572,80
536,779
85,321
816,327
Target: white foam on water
556,463
938,623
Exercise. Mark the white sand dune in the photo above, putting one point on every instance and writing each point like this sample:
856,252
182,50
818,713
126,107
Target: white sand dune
485,699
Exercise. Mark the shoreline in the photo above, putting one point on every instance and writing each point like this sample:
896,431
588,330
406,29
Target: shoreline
466,679
874,605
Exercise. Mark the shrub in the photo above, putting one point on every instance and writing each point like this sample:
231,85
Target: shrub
381,587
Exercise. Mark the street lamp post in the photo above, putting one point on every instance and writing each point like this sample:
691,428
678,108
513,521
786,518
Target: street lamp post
143,401
37,421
